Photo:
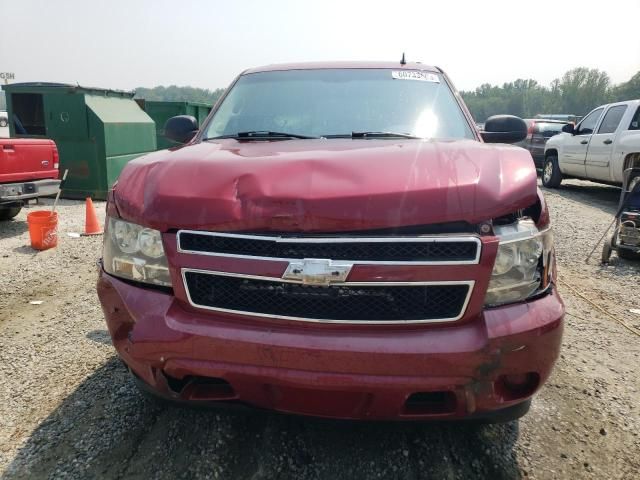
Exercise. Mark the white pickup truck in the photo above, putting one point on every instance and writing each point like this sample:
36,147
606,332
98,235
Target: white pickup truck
600,148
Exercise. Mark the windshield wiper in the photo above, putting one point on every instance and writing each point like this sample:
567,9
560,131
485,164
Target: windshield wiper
260,135
371,135
381,134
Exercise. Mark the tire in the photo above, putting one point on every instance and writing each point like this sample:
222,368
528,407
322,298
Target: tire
628,254
551,174
606,251
3,123
7,212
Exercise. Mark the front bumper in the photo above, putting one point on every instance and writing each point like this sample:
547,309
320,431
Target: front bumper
18,192
383,373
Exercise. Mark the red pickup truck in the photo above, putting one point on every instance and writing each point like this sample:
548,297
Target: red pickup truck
337,240
28,170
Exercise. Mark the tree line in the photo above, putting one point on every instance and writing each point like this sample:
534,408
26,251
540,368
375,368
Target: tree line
577,92
173,93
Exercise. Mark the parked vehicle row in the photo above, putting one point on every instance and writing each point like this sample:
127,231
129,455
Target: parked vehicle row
600,148
336,263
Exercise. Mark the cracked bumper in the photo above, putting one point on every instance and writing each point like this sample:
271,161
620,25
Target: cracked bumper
355,373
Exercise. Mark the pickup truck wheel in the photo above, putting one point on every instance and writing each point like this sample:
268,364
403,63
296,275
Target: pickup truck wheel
551,174
7,212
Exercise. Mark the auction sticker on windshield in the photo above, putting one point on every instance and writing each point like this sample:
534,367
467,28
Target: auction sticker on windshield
415,75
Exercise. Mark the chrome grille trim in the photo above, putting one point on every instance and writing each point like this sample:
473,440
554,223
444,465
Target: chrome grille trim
346,239
469,283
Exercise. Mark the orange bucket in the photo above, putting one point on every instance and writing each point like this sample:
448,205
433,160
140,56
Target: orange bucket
43,229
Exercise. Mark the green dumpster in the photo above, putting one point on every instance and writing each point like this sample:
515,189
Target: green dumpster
160,112
97,131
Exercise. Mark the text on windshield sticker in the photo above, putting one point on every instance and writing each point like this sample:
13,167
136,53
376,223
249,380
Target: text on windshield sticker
415,75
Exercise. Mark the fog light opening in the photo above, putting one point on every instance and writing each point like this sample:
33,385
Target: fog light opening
430,403
210,388
201,388
177,385
516,386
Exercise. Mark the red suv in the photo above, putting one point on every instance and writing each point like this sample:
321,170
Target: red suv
337,240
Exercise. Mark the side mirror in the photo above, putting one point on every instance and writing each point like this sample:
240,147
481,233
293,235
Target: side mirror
181,129
569,128
504,129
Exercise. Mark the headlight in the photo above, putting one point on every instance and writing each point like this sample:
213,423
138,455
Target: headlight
522,266
135,253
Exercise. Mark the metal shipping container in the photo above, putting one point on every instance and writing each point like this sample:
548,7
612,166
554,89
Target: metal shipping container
160,112
97,131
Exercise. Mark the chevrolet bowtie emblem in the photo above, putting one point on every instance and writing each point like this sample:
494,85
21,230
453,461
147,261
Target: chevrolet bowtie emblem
317,271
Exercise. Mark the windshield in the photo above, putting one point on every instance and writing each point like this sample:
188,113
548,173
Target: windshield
336,102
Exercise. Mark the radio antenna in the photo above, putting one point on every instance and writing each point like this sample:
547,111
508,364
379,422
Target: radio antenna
403,61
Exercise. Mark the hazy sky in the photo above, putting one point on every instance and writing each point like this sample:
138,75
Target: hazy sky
125,44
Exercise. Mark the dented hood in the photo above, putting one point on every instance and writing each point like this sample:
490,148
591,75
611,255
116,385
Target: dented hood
324,185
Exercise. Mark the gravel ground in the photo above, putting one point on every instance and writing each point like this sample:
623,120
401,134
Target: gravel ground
68,409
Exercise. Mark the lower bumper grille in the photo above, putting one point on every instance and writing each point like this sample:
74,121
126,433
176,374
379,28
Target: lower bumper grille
355,302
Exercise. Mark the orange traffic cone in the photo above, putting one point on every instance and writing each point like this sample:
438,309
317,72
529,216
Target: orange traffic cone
91,224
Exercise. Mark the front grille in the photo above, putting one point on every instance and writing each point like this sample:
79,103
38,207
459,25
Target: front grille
427,250
344,302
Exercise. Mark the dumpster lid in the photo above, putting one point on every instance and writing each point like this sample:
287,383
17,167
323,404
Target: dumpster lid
38,84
